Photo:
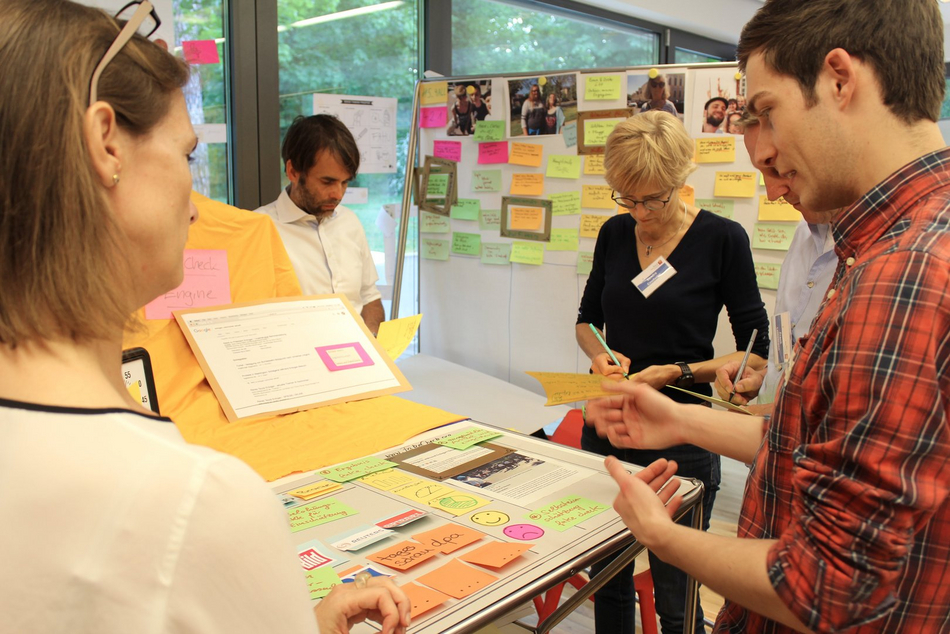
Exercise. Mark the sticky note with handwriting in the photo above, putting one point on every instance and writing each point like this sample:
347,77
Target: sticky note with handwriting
450,150
717,149
563,166
317,513
563,240
591,224
206,283
493,152
777,210
527,253
527,184
594,164
433,223
602,87
528,154
767,274
489,219
434,92
734,185
567,512
565,203
468,437
596,131
395,335
355,469
719,206
498,253
489,130
585,262
449,537
404,555
466,243
321,580
486,181
435,249
597,196
776,236
465,209
526,218
434,117
567,387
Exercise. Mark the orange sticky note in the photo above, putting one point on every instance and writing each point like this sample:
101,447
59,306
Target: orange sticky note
527,184
594,164
591,224
688,194
527,218
496,554
449,538
525,154
404,555
596,196
423,599
457,580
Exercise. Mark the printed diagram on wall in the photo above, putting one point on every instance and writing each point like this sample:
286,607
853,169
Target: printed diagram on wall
717,101
542,105
469,102
666,91
526,218
372,121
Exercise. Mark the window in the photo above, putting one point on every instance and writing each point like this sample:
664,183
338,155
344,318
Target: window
686,56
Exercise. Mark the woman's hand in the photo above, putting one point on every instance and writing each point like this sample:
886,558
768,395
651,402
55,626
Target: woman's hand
657,376
603,364
379,600
747,388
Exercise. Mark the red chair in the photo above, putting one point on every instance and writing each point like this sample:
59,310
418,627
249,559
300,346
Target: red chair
568,433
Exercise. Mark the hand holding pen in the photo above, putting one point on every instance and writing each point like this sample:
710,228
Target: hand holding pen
745,360
618,362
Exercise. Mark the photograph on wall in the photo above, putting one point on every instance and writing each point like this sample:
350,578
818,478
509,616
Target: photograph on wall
542,105
666,91
470,101
718,101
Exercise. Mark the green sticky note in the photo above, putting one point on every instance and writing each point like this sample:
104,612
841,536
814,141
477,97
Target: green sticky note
438,186
467,438
496,253
355,469
566,512
466,243
776,236
569,132
596,131
585,261
321,580
563,240
317,513
602,87
527,253
761,179
486,181
489,219
433,223
466,209
434,249
719,206
490,131
563,166
766,274
566,204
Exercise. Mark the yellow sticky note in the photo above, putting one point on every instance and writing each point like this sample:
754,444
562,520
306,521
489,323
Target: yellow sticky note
597,196
395,335
777,210
422,491
527,253
315,490
527,154
688,194
734,185
135,391
564,166
389,479
526,218
563,240
761,179
566,387
602,87
591,224
596,131
718,149
594,164
434,93
527,184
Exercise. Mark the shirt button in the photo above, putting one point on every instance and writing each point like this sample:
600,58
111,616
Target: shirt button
849,261
831,293
811,284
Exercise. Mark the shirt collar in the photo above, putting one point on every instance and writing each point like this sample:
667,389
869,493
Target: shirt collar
861,224
288,212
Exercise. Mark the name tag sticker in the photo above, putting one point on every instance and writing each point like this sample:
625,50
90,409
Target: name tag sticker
654,276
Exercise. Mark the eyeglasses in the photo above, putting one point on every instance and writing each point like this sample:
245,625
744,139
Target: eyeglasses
650,204
140,17
658,84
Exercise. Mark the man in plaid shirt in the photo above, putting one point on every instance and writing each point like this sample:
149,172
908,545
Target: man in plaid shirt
845,522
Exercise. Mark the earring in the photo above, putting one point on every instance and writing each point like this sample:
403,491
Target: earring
115,180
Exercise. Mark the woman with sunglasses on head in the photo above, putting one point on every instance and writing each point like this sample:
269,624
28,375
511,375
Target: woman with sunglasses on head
661,274
658,96
111,522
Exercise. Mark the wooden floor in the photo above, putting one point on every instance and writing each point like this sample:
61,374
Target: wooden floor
725,516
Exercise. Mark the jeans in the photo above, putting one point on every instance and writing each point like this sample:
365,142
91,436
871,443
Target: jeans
614,605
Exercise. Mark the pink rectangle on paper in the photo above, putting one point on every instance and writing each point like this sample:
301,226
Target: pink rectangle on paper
451,150
344,356
206,283
493,152
201,52
435,117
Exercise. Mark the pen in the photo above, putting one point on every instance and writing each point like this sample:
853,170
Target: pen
610,352
745,359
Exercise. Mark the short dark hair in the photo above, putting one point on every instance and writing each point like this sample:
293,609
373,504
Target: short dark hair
722,99
900,39
307,137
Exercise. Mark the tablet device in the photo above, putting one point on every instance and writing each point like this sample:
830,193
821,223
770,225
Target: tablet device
137,374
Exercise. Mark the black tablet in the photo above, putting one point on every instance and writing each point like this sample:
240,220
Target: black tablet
137,374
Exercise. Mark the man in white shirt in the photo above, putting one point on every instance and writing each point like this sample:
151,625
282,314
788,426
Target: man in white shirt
325,240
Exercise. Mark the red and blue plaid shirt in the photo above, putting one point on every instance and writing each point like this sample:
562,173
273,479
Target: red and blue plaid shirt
852,477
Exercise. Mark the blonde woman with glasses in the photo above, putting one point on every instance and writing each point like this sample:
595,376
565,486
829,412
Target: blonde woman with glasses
661,274
111,523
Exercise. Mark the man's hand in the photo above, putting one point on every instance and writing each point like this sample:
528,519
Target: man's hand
747,388
639,417
379,600
602,364
373,315
645,502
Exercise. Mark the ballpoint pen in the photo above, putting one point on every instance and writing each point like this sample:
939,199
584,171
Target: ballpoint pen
745,360
609,351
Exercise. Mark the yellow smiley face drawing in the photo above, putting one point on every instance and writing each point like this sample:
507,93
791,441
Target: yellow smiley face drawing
491,518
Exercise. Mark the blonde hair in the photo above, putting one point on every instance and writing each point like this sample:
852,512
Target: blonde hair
648,150
649,88
62,257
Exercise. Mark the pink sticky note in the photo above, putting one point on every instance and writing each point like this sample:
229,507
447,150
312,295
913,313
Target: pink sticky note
451,150
206,283
344,356
435,117
201,52
493,152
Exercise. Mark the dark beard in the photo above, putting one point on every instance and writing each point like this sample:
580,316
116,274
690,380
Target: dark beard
713,121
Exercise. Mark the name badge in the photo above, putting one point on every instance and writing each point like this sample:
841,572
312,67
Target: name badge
654,276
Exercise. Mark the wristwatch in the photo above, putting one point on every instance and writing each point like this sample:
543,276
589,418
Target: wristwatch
686,379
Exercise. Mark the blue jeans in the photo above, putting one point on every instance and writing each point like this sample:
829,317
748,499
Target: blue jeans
614,605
